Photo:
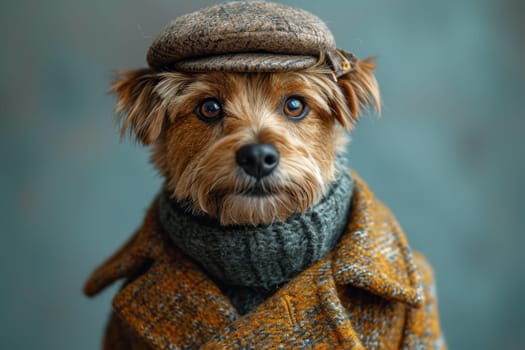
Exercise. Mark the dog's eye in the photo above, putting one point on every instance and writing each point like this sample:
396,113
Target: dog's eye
295,108
209,110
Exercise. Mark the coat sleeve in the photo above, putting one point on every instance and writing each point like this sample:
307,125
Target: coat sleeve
422,330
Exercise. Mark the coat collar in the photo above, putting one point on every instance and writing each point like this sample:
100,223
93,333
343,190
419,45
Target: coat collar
165,287
374,254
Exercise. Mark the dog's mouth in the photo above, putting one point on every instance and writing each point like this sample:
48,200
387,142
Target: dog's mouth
257,190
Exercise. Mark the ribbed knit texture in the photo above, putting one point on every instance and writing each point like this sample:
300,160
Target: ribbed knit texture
250,263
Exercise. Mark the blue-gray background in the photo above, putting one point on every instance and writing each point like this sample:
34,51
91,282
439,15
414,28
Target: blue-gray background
447,155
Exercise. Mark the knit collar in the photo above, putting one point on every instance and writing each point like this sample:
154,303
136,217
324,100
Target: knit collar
261,256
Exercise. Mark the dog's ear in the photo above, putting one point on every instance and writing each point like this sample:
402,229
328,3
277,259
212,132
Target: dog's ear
360,90
140,108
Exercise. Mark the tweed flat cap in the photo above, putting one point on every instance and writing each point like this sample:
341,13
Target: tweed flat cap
246,36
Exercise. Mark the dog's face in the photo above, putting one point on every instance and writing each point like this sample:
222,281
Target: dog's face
245,148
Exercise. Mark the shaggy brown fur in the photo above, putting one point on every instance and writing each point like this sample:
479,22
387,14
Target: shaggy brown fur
198,158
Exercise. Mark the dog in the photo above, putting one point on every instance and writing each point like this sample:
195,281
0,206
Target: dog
260,237
246,149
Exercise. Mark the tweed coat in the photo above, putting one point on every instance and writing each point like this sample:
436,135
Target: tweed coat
370,292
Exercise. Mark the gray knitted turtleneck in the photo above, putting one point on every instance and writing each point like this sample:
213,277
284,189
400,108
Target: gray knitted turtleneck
251,263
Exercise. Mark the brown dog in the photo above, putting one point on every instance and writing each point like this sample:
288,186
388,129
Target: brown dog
260,238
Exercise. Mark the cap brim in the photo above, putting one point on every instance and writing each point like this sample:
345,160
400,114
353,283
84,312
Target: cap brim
246,63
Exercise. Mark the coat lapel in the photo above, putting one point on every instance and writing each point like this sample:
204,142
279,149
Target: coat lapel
174,303
374,254
306,313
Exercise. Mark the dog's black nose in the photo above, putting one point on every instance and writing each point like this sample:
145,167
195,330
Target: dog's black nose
258,160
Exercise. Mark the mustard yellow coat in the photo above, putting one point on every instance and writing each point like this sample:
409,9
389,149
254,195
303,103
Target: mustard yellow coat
370,292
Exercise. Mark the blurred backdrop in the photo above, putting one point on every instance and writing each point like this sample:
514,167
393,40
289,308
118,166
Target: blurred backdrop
447,155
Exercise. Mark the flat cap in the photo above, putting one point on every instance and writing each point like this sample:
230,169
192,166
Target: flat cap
246,36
